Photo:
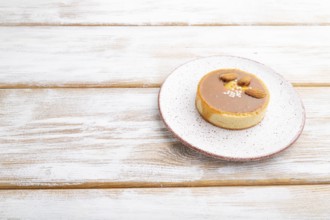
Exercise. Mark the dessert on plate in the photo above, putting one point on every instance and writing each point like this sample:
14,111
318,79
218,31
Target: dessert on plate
232,98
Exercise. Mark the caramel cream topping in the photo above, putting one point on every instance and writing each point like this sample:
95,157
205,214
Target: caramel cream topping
229,96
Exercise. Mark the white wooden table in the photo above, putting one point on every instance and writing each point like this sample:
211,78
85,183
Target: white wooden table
80,133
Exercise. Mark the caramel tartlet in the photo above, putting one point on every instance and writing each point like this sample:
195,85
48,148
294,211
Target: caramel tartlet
232,98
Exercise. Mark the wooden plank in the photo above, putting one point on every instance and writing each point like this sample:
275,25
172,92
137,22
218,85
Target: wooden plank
86,138
281,202
144,56
171,12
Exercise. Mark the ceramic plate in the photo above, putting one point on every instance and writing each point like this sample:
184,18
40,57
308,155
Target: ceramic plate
282,125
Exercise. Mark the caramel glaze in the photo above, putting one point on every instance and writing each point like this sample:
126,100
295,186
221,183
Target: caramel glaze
212,90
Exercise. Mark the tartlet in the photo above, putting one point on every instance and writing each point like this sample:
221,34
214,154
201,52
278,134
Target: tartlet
232,99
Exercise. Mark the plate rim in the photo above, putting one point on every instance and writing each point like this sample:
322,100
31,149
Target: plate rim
227,158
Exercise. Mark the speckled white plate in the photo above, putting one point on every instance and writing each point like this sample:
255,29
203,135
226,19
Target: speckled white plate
282,125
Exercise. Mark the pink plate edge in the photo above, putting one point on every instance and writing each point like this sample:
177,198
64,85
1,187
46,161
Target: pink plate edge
233,159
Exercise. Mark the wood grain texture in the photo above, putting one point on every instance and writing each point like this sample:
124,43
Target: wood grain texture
284,202
171,12
85,138
143,56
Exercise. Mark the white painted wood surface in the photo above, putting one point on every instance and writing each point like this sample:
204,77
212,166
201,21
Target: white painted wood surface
281,202
101,138
80,138
144,56
170,12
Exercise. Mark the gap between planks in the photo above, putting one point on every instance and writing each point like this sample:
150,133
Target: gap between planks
132,185
121,85
169,24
